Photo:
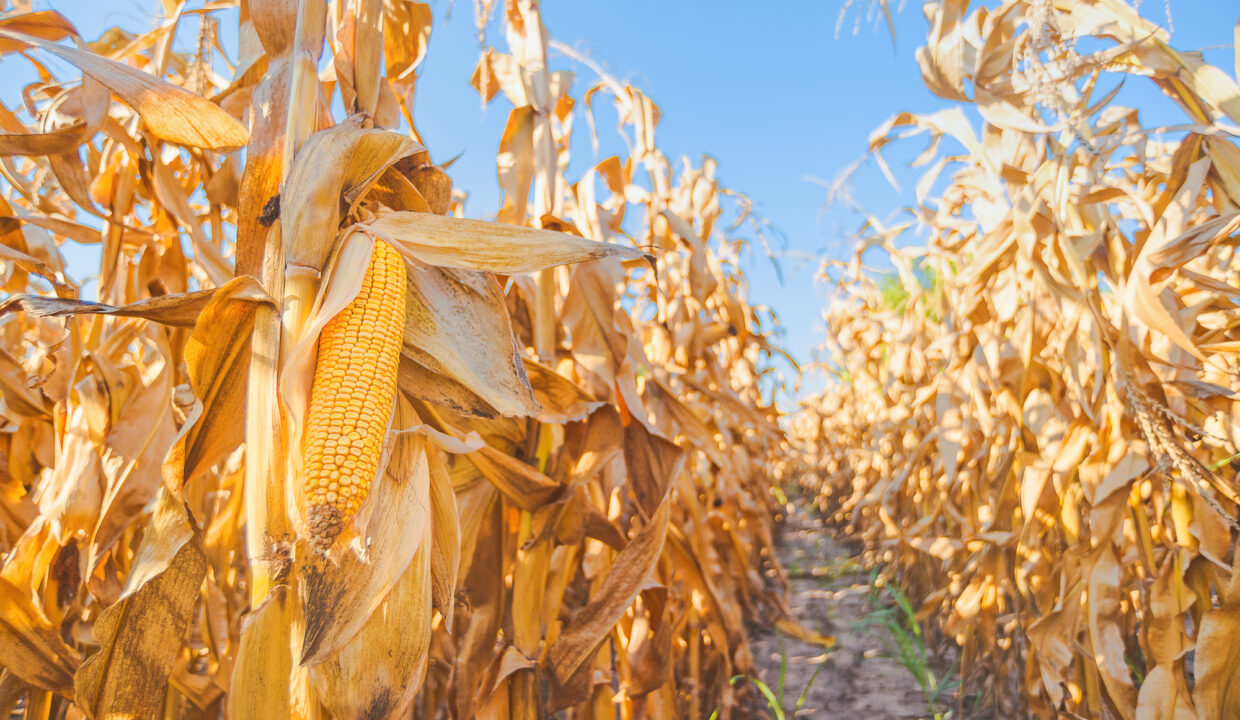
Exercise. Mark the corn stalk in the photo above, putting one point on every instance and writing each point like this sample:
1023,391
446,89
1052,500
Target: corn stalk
570,509
1031,420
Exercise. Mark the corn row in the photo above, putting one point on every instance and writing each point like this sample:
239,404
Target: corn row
351,399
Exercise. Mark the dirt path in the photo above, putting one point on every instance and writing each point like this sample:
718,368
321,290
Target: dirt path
829,594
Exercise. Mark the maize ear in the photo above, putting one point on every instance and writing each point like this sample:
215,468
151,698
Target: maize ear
352,396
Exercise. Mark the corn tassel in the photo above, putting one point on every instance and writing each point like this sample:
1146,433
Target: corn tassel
351,398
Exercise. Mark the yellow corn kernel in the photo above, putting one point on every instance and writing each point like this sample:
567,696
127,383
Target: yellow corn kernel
351,399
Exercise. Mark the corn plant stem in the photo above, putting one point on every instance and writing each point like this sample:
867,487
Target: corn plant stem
695,663
39,704
303,107
266,516
527,587
544,316
534,56
530,574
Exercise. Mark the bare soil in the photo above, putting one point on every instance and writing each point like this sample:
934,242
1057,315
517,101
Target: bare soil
830,594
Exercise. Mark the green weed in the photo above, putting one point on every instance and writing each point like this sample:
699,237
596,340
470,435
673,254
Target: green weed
776,707
909,646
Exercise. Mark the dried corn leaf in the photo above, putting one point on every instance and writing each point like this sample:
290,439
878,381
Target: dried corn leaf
141,635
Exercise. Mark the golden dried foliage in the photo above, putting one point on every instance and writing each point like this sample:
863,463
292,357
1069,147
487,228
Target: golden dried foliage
570,506
1033,422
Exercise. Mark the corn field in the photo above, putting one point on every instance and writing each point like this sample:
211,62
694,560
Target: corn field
1033,421
310,442
321,447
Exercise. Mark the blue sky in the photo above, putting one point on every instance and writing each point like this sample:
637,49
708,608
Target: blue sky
770,91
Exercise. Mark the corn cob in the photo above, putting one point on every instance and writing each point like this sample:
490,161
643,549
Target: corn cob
352,396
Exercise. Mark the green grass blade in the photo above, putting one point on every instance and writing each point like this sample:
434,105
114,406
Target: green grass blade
805,692
771,701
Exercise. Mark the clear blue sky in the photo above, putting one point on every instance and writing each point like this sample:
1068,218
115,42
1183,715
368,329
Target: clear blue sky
772,93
